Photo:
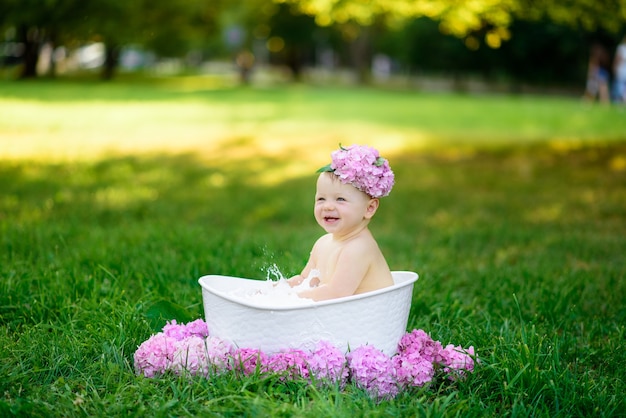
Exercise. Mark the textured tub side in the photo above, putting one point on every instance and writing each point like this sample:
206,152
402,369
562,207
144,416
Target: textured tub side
379,320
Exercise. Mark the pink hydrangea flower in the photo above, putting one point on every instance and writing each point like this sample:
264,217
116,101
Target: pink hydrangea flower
219,352
373,370
191,357
181,331
457,360
290,363
418,342
197,327
155,355
362,167
189,349
197,355
248,360
327,364
413,370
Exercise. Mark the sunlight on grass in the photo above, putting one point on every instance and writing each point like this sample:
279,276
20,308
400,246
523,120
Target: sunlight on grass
90,131
71,121
120,197
197,82
545,213
68,132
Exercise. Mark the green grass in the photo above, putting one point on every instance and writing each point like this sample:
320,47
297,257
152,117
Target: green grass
115,198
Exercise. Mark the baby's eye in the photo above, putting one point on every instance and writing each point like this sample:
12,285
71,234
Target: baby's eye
320,199
341,199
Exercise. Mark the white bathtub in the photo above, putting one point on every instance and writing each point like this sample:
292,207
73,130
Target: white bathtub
377,318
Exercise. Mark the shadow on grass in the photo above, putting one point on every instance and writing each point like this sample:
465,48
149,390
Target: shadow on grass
147,89
135,188
467,221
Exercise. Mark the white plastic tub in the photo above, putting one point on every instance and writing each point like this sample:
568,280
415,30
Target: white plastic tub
377,318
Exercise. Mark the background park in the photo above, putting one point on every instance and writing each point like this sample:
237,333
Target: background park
190,147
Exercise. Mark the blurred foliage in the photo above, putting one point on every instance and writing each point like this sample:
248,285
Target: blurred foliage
529,40
463,17
538,52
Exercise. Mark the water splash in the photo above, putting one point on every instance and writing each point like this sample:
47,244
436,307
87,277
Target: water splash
272,272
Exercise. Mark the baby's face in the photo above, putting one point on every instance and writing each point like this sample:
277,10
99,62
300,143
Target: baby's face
341,208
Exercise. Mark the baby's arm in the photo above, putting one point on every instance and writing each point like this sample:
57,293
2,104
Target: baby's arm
352,266
299,278
310,265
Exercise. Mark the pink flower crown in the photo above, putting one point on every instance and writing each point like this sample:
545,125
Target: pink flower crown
362,167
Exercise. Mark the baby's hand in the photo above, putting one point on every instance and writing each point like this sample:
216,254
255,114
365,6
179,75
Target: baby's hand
314,282
295,280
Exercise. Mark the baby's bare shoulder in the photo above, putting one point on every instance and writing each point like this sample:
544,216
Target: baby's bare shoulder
364,246
323,240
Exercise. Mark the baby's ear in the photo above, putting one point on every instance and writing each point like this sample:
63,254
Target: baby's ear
372,206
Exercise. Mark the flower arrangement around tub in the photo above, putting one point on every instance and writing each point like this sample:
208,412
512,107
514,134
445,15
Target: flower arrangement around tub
190,350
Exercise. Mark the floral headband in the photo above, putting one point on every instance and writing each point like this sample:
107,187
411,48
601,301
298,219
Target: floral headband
362,167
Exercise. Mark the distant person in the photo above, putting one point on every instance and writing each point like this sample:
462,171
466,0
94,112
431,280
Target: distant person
598,75
347,260
619,72
245,62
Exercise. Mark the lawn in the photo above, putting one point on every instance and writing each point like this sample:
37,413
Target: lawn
115,198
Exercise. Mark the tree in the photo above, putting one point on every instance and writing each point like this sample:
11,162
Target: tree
589,15
474,21
538,53
38,22
165,26
276,33
457,17
295,30
462,17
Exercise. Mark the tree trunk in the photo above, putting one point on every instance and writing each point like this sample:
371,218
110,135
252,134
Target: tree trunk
29,37
111,60
361,51
52,68
294,62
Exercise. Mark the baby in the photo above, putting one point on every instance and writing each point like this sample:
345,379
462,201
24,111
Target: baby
347,260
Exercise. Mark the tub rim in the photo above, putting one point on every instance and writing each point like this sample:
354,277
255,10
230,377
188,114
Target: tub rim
412,278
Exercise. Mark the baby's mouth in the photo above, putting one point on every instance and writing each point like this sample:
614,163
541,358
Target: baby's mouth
330,218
